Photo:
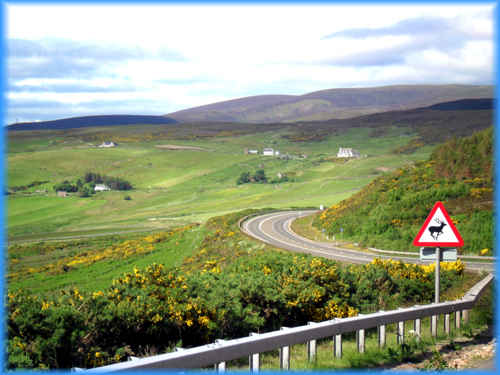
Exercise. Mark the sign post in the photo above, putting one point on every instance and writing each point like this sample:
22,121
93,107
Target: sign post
438,231
436,284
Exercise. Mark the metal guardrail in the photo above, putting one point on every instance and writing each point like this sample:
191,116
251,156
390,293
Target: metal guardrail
225,350
479,257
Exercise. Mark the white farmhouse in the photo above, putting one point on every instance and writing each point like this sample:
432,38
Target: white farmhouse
270,152
253,152
348,153
108,144
101,187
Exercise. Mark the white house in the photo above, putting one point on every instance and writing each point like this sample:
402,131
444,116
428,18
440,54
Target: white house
108,144
348,153
253,152
101,187
270,152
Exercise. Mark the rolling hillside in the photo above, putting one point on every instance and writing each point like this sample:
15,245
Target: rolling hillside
330,104
188,172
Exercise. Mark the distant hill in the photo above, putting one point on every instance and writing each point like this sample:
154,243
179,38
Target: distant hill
330,104
433,124
90,121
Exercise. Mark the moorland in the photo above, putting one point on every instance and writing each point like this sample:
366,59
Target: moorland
161,264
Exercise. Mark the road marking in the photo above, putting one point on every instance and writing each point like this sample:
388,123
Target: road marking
298,244
289,240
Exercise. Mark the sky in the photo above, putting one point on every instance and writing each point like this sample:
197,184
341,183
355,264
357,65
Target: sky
66,60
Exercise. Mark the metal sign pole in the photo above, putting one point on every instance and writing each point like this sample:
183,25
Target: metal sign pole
438,258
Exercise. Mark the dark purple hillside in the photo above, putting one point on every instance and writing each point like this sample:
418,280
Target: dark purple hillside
90,121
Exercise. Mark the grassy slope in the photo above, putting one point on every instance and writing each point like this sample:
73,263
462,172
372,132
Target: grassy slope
175,187
389,212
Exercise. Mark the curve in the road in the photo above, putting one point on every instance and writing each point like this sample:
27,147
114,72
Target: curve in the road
275,229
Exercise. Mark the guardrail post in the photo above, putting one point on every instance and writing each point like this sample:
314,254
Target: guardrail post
401,332
434,322
311,347
465,316
284,355
417,327
254,359
381,335
457,319
360,340
221,366
337,346
447,324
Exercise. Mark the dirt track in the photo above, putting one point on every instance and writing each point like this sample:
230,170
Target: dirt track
176,148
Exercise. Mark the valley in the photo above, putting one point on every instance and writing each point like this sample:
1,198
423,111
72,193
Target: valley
164,263
177,186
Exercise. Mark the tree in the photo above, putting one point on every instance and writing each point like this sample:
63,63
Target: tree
66,186
85,191
244,178
260,176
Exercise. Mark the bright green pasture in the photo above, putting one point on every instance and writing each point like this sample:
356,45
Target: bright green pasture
179,186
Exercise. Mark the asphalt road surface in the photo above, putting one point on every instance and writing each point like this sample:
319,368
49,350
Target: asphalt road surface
275,229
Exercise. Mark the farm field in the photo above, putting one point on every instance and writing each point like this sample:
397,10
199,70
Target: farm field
176,187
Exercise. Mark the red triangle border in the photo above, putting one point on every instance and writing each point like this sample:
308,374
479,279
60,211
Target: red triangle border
416,241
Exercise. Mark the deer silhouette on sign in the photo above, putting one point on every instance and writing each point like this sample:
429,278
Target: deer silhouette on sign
436,231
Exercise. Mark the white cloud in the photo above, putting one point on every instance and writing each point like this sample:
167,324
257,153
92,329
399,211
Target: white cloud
177,56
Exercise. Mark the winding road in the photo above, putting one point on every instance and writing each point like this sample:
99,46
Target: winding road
275,229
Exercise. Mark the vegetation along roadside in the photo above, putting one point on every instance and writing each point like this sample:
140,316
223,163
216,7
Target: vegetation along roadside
230,286
389,211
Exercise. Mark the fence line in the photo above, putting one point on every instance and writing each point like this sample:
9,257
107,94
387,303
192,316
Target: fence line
225,350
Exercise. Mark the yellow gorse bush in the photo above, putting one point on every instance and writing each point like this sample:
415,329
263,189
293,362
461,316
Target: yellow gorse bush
333,310
412,271
123,250
484,251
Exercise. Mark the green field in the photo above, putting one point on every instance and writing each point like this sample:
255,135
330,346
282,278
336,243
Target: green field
174,187
70,259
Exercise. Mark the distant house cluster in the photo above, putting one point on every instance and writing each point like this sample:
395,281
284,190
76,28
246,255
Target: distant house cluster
348,153
108,144
266,152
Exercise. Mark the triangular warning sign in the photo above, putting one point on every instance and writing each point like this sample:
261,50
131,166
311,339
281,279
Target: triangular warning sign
438,230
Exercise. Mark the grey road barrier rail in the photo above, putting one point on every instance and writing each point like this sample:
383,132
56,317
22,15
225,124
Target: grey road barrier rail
221,351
